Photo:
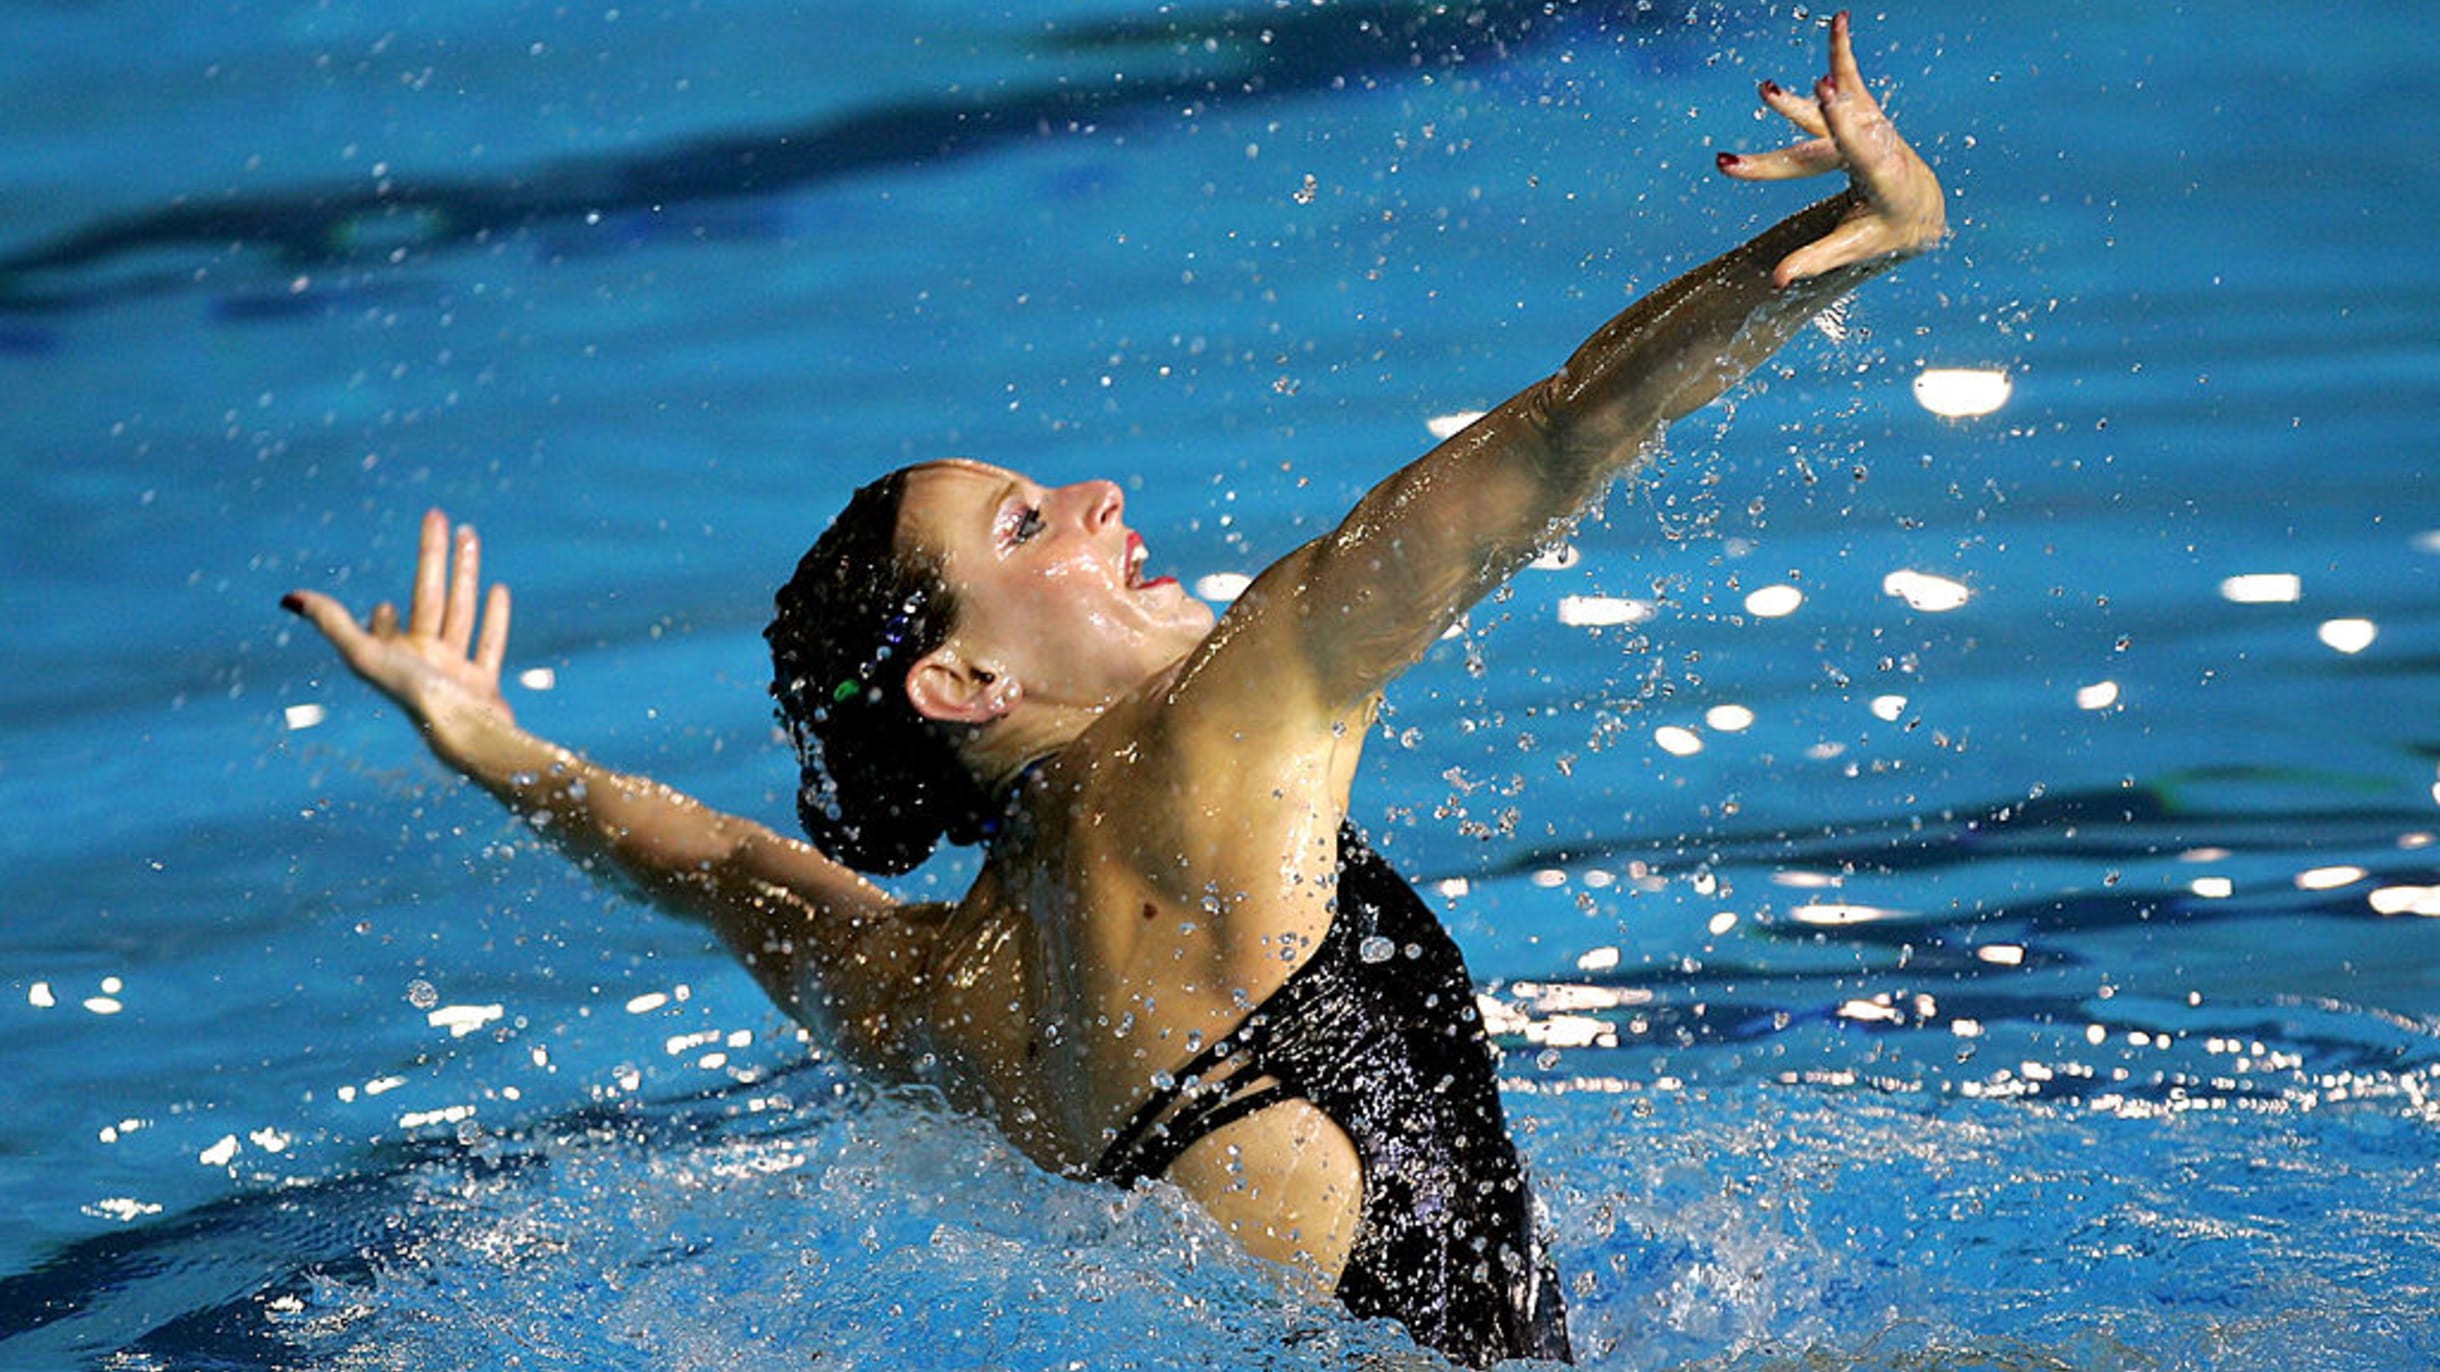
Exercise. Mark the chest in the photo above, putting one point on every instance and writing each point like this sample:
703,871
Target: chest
1054,1015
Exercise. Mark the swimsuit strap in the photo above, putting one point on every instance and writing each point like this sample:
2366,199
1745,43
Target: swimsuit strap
1201,1097
1153,1154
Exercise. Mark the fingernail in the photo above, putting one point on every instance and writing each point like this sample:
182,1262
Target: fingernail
1728,160
293,603
1771,88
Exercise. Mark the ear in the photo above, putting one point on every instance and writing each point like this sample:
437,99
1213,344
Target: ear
949,689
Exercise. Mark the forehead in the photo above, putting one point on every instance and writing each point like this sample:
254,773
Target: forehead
956,471
949,495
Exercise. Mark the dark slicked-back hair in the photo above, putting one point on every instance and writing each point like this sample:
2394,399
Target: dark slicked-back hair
879,785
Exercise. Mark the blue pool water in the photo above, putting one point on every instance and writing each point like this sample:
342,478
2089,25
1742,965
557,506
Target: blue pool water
2042,980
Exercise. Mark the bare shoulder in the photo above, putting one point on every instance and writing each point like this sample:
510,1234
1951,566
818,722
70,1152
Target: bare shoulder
1215,776
1197,835
1253,677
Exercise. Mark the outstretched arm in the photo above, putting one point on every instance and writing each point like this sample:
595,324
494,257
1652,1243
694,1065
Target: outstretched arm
779,905
1369,598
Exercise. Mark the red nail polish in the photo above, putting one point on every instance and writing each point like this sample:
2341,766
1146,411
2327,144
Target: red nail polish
293,603
1728,160
1771,88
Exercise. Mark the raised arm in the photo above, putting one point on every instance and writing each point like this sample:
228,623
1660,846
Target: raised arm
1372,596
782,907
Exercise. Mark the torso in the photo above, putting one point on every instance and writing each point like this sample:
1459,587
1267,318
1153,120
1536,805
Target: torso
1113,933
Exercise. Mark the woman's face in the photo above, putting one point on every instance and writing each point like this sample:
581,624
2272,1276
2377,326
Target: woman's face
1048,582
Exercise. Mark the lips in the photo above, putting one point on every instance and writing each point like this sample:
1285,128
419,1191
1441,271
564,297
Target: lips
1137,555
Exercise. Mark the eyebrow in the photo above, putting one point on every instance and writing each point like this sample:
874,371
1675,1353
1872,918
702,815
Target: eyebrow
1013,488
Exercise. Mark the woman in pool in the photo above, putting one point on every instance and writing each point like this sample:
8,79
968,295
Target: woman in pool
1177,960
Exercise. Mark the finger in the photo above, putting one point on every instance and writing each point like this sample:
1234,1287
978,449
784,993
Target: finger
494,648
431,576
1857,240
383,622
327,615
1848,101
1878,159
1843,71
465,581
1809,158
1851,116
1796,109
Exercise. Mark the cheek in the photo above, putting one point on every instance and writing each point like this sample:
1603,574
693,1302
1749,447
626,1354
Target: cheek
1070,590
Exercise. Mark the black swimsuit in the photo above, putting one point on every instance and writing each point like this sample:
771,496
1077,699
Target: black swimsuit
1378,1030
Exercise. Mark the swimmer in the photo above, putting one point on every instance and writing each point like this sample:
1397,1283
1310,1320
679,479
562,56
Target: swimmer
1178,960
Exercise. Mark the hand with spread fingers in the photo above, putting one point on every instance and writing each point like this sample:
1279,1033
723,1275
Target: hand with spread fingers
1899,208
434,666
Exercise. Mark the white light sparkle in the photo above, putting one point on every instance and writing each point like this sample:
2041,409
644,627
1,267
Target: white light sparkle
2347,635
1677,740
1962,392
1222,587
1601,611
1926,592
461,1020
2407,900
2263,588
1774,602
2328,878
1839,913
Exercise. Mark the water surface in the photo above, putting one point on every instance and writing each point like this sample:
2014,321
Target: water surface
2044,979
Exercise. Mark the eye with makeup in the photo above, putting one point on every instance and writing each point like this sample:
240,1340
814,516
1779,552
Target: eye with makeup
1019,523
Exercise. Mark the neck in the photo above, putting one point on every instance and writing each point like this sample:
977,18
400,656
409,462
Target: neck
1035,729
1000,753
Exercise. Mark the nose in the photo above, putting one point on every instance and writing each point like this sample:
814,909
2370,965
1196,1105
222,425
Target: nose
1098,503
